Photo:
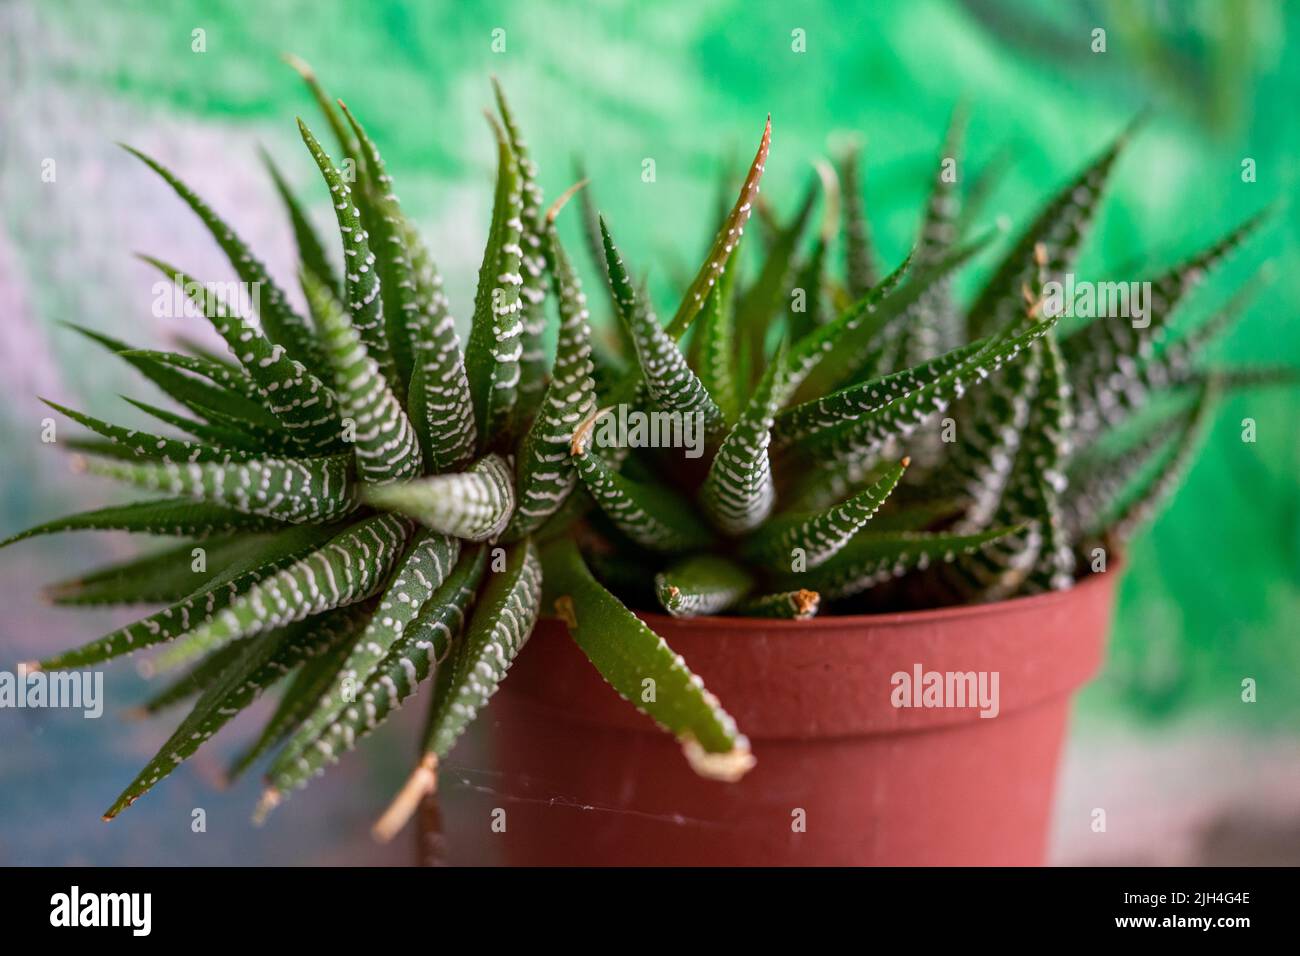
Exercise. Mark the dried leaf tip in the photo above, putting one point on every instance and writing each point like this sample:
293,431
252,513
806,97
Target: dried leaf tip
270,799
806,603
565,611
497,130
580,441
422,782
564,198
726,767
299,64
831,188
907,461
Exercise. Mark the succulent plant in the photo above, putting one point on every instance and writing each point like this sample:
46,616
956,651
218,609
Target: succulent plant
376,506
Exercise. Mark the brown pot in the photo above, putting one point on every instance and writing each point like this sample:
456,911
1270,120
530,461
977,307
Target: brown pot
844,776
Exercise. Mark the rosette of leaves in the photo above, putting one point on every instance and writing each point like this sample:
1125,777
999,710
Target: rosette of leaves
365,506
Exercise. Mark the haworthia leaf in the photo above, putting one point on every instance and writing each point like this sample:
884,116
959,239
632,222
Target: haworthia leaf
702,584
474,504
257,560
724,243
532,359
501,624
495,340
738,493
225,436
859,254
382,437
653,516
360,273
232,378
1140,504
872,559
194,681
813,539
849,403
286,489
309,682
263,662
296,397
388,228
863,437
155,447
180,517
716,344
418,651
310,250
835,353
628,653
211,402
350,567
285,328
546,475
1060,227
342,135
418,576
670,382
762,299
1043,455
440,404
1113,363
167,575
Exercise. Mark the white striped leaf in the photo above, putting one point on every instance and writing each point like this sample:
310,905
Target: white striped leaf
475,504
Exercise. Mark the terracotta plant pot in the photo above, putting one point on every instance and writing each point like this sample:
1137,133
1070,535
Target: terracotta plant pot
844,777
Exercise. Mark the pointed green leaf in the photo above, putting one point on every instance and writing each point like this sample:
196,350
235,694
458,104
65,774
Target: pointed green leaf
871,559
816,538
350,567
628,653
418,651
501,624
702,584
285,328
263,662
286,489
653,516
738,493
418,576
295,397
724,243
382,437
1060,227
180,517
546,475
360,272
310,250
258,559
155,447
475,504
495,339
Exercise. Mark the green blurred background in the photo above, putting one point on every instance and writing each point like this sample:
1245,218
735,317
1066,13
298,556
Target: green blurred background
1212,590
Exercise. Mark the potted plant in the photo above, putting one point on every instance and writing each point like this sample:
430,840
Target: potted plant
376,507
